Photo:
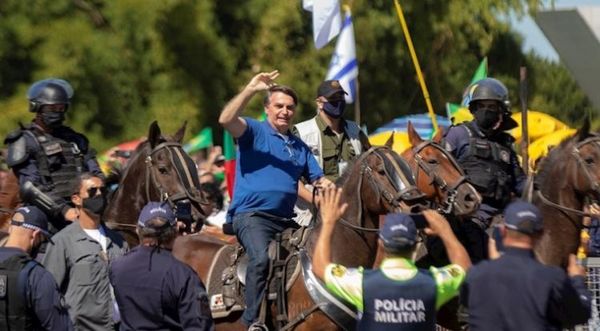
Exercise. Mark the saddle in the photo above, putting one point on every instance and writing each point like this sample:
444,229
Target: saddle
227,273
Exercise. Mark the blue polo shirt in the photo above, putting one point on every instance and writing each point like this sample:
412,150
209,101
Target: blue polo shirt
267,170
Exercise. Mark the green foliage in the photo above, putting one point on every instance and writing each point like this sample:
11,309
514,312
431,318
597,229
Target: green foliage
133,61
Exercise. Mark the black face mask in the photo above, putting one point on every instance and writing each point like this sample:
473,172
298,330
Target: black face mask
95,204
486,119
334,109
53,119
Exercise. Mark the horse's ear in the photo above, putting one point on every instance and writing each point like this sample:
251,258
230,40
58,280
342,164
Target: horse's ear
438,135
390,142
413,136
584,131
154,134
178,136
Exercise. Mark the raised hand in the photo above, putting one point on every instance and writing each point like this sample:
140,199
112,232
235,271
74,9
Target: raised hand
331,205
263,81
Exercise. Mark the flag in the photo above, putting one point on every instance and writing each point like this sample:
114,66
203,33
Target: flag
229,152
326,19
457,113
344,66
202,140
481,71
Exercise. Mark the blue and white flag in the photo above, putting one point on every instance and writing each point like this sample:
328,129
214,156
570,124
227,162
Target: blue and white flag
344,66
327,19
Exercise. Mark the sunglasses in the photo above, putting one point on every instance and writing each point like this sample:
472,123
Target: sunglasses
92,191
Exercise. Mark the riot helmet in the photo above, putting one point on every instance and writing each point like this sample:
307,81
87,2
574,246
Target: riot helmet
487,89
51,91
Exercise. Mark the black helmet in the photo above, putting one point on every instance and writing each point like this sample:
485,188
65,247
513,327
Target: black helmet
51,91
487,89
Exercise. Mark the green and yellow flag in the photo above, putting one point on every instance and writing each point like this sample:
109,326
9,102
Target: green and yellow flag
204,139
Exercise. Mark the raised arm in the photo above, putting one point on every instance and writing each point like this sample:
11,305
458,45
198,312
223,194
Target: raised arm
438,225
230,116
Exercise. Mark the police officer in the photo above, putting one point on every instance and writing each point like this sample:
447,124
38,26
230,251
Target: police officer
517,292
29,296
46,154
333,141
397,296
154,290
484,150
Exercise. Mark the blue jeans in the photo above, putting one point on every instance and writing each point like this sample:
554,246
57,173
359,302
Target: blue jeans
255,232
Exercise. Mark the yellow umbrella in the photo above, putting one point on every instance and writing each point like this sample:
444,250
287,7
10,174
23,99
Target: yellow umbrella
540,124
540,147
401,141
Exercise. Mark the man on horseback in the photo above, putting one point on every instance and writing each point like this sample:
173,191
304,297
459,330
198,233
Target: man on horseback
48,154
333,141
398,295
484,150
269,164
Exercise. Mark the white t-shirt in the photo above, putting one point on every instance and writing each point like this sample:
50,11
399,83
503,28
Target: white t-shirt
98,235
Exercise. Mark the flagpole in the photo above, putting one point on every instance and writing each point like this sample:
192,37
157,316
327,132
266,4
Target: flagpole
415,60
357,104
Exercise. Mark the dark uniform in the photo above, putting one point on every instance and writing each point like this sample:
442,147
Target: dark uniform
516,292
489,161
49,159
29,296
155,291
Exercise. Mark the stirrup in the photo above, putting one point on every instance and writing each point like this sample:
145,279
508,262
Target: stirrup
258,326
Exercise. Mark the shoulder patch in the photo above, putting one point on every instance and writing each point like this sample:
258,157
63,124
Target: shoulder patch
13,135
338,270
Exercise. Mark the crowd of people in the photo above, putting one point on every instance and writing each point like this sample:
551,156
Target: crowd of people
63,268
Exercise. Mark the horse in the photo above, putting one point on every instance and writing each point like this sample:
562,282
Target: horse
159,170
378,182
9,200
567,180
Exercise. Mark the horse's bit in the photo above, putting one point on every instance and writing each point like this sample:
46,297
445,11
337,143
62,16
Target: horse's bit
451,190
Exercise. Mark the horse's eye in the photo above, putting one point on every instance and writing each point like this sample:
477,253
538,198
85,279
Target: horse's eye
589,160
163,170
432,161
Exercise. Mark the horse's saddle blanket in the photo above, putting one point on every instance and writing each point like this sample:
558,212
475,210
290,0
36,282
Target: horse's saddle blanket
227,273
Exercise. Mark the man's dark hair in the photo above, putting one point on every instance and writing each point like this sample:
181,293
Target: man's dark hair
283,89
213,193
158,229
75,183
404,252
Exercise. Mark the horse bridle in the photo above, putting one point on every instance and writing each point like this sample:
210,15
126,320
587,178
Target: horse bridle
576,153
406,189
450,190
181,165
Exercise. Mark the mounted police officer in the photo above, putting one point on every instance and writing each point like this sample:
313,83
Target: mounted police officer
45,154
484,150
333,141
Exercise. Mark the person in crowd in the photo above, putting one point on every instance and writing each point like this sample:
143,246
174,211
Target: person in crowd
29,296
154,290
333,141
484,150
79,256
593,248
47,154
516,291
213,194
397,295
269,163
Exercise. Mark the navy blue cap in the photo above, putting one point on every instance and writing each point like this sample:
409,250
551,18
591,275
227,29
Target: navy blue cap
398,231
156,210
523,217
31,217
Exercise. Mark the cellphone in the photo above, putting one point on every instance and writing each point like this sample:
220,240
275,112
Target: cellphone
420,220
498,239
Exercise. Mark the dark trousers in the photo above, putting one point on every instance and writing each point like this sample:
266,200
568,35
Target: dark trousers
255,232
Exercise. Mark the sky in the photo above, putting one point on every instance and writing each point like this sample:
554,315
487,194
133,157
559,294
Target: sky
534,38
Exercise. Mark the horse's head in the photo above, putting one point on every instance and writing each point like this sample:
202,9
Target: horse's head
385,182
439,176
584,170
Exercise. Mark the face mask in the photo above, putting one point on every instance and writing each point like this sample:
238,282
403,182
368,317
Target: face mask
486,118
96,204
334,109
53,119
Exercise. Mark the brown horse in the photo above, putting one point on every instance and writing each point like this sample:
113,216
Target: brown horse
375,184
158,170
439,176
569,178
9,200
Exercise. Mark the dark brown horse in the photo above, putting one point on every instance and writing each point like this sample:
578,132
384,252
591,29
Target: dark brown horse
569,178
159,170
439,176
9,200
375,184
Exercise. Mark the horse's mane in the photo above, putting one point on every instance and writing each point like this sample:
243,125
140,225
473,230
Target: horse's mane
554,157
346,174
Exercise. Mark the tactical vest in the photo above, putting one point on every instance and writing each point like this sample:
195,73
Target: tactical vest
14,313
398,305
488,167
58,161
